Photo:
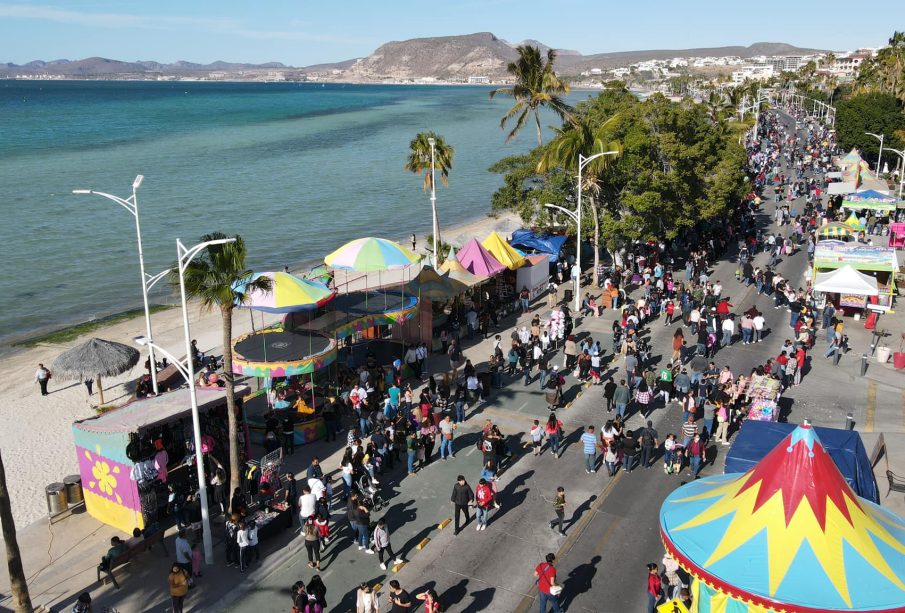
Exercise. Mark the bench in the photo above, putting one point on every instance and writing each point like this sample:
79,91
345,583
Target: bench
169,378
896,483
143,545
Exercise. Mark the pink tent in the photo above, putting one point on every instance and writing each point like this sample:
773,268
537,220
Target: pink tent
478,261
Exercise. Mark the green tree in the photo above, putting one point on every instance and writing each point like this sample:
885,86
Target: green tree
419,161
885,72
870,112
583,138
17,583
536,86
213,277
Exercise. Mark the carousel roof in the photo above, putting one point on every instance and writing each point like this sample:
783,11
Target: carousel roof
788,535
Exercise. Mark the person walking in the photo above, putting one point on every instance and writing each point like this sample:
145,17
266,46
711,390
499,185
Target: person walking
654,587
553,429
381,540
462,497
537,437
447,430
483,502
547,587
629,449
178,581
42,376
649,444
312,543
559,507
431,601
366,600
399,598
696,454
589,442
621,397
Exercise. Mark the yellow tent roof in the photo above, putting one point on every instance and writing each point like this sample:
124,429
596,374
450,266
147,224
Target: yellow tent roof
503,251
456,271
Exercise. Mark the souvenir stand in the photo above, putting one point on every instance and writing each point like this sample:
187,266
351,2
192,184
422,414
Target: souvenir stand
271,510
878,262
789,535
763,398
127,456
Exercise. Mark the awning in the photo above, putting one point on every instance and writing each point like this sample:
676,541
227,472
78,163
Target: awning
846,280
544,243
837,189
870,199
834,175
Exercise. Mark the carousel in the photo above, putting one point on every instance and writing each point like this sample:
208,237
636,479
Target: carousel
789,536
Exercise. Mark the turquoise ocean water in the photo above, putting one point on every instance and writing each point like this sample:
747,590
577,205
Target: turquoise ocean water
296,169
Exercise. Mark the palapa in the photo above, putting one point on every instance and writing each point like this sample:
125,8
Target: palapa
94,359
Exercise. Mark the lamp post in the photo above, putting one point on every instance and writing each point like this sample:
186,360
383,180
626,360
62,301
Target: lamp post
131,205
901,154
880,155
184,257
435,225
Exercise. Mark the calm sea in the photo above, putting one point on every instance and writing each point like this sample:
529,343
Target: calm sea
296,169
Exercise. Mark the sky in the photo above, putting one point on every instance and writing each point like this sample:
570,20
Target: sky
305,32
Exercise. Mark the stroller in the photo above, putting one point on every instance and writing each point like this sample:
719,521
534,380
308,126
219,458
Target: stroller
369,493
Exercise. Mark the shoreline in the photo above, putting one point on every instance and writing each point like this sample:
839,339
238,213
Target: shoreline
36,431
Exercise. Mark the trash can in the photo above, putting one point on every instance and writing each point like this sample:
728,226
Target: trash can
74,494
56,498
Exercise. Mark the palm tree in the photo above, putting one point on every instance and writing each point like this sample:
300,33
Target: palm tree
717,106
212,278
17,583
574,141
536,85
419,161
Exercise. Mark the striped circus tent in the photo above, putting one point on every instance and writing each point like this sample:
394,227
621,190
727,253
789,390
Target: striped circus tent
836,229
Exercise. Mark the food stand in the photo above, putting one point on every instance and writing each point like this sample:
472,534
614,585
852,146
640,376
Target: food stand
878,262
119,452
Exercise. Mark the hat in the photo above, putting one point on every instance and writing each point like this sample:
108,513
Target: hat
555,367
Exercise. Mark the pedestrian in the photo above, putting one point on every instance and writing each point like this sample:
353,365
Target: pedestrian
381,540
649,444
447,431
629,449
462,497
654,587
82,604
299,597
317,595
589,442
559,507
483,502
553,429
431,601
178,581
609,389
311,535
399,598
696,454
547,587
89,385
42,376
669,452
242,541
611,458
722,421
253,542
184,554
621,397
366,600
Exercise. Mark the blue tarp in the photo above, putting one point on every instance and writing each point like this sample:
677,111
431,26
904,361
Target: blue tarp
757,438
541,243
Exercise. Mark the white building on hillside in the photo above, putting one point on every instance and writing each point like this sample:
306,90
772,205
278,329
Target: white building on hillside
478,80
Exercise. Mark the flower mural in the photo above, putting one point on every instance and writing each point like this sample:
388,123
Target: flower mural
106,482
106,475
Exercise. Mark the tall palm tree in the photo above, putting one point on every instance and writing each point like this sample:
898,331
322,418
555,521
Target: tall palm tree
580,139
212,278
536,85
17,583
419,161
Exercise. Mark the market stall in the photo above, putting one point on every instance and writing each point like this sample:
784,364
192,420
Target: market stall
535,275
128,456
789,535
836,230
503,251
880,263
870,200
763,397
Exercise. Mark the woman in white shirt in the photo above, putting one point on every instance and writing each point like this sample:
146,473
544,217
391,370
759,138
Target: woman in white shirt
366,600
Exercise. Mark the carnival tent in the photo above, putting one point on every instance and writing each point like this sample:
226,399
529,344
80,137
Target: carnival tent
550,244
432,286
854,223
478,261
457,272
835,229
287,294
846,280
870,199
788,535
503,251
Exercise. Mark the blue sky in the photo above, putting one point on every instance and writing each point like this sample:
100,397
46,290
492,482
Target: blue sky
303,32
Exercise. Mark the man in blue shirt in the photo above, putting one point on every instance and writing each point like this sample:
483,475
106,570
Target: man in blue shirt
589,440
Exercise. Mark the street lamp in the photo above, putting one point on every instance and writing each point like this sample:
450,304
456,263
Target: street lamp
131,205
901,154
880,155
435,224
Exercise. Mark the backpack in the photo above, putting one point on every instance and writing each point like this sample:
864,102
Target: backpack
487,445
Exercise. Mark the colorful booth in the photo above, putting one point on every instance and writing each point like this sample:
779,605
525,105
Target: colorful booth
789,535
870,200
878,262
123,477
835,230
478,261
503,251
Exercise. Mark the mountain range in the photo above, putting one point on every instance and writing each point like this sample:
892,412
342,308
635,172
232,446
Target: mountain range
445,57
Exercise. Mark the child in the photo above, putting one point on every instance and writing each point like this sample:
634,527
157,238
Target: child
669,452
196,559
537,436
323,526
242,540
678,460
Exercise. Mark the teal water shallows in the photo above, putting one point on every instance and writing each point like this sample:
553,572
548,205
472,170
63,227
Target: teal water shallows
296,169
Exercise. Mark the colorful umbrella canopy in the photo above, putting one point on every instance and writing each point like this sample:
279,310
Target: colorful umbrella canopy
370,255
870,199
835,230
457,272
288,294
432,286
478,261
788,535
503,251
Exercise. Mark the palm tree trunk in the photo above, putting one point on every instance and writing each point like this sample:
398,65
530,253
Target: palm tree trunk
540,140
232,419
17,583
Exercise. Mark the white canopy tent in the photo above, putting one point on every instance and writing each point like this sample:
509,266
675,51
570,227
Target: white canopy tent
846,280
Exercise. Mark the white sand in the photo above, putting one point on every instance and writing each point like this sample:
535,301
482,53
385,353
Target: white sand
36,432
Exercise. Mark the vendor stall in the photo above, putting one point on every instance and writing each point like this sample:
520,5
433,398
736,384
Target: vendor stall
880,263
535,275
531,241
871,200
503,251
763,395
128,456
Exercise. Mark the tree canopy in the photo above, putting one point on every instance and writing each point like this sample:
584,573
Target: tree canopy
871,112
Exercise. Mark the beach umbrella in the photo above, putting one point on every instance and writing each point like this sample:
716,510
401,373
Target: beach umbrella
788,535
371,255
454,270
94,359
503,251
835,230
287,294
432,286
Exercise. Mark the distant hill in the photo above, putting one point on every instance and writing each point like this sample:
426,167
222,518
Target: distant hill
444,57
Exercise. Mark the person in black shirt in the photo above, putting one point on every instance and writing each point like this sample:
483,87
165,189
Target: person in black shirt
330,413
401,600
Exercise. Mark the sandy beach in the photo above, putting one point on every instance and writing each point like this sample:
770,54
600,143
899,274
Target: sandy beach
35,431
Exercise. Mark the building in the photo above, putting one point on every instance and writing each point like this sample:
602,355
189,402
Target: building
478,80
847,66
787,63
753,72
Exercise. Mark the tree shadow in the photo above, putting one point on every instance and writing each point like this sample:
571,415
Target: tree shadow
579,581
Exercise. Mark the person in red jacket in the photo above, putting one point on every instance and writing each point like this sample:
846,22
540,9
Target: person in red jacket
483,496
654,587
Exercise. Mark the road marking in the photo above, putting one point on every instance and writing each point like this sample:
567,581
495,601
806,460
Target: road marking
903,409
527,602
471,451
871,406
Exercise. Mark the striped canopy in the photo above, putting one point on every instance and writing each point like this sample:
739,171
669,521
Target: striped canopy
835,230
371,255
288,294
